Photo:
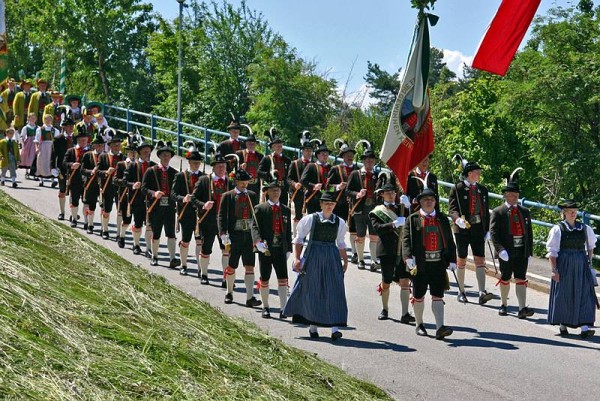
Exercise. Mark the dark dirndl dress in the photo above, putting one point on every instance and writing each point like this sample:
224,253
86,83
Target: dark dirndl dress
319,295
572,299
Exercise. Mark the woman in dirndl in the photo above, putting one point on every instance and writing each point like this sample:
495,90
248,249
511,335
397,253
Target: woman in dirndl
27,137
573,301
319,296
44,137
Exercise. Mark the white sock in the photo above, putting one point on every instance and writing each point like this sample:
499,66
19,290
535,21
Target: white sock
172,247
360,250
230,279
204,265
480,273
90,219
120,228
404,299
334,329
148,237
183,253
313,329
198,251
224,261
373,251
61,203
352,243
282,291
104,223
264,295
137,234
460,275
504,290
155,246
521,291
74,211
249,281
437,307
385,297
419,308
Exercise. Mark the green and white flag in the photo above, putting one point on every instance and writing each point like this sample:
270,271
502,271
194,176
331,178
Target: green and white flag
63,73
3,44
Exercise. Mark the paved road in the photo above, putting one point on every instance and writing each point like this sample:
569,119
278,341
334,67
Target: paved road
487,357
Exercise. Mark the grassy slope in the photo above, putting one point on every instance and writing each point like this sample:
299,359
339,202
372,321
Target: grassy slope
77,321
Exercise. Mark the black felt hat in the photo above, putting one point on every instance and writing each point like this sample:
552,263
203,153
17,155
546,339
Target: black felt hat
470,166
328,196
569,204
387,187
426,192
368,154
242,175
98,140
322,148
218,158
162,147
271,185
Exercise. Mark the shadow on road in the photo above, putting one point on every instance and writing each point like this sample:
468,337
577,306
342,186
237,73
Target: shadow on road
376,345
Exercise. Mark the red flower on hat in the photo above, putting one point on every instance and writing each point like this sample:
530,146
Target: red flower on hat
188,154
232,175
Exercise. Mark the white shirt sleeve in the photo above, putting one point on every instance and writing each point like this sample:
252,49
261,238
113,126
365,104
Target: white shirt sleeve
341,235
553,242
591,237
303,229
56,133
38,135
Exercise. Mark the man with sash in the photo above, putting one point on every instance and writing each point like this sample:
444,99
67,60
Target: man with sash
59,149
361,193
21,104
107,167
469,209
428,249
74,183
249,161
233,143
54,110
275,167
315,178
91,190
207,197
123,189
419,179
294,177
512,236
272,237
8,98
388,220
39,100
338,176
156,188
234,219
136,205
183,187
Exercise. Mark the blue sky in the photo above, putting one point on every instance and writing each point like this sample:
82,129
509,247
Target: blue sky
336,33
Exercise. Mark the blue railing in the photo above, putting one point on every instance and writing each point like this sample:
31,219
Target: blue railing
180,131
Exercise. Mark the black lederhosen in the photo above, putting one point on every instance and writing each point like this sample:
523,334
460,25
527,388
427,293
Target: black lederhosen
432,275
363,222
208,232
241,246
474,236
91,196
110,197
298,205
162,216
516,265
188,226
276,261
392,271
75,193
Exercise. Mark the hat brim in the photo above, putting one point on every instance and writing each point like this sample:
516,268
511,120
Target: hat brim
161,151
142,146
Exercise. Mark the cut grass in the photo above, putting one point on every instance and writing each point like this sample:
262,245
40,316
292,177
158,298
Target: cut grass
79,322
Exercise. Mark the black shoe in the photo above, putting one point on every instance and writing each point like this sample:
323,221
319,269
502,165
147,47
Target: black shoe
407,318
587,334
2,183
204,279
54,184
41,184
61,216
229,298
252,302
374,266
90,229
361,265
104,234
502,311
183,271
564,332
383,315
442,332
486,296
137,250
354,259
154,262
282,316
174,263
420,330
266,314
462,298
14,185
313,334
121,242
73,223
85,226
525,312
336,335
224,284
148,254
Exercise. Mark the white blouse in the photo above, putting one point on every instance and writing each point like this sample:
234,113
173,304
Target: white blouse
305,224
553,242
38,133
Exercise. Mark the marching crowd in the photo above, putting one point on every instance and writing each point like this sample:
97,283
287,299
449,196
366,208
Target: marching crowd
280,208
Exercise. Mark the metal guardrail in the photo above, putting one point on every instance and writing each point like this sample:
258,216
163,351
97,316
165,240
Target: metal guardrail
183,131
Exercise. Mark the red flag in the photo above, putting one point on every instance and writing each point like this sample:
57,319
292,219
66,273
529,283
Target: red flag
409,137
504,35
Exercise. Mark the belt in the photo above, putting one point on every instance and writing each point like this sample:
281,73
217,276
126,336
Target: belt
518,241
164,201
280,182
475,219
433,256
243,224
277,241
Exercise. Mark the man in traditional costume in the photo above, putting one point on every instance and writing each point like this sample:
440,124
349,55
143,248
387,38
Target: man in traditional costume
294,177
315,178
275,167
59,148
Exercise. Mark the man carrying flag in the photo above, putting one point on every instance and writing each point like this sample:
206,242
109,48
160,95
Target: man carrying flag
409,137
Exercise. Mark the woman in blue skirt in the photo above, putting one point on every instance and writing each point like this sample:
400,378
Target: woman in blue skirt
570,247
319,296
